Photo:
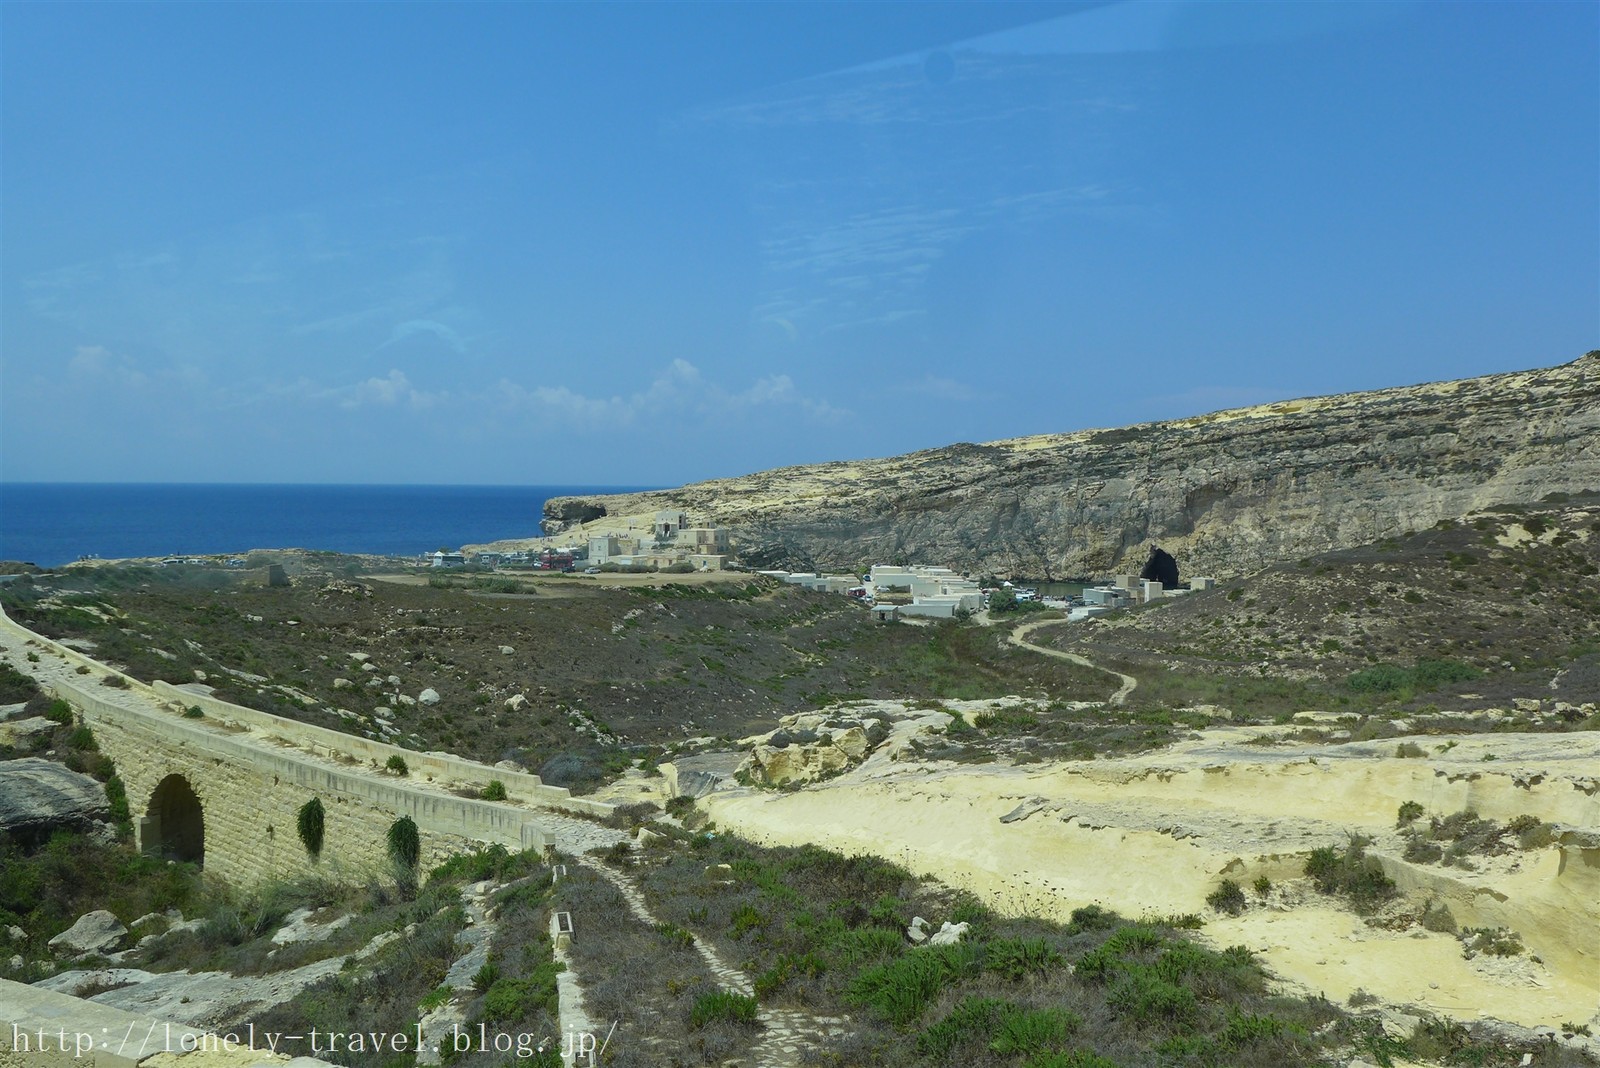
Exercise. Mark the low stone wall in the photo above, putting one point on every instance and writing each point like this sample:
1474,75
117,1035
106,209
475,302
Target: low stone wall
44,1029
520,785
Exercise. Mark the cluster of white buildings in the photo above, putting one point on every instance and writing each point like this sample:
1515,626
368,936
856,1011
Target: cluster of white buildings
1125,590
896,592
671,540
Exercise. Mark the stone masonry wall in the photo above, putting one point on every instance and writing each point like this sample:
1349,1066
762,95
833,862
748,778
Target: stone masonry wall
250,794
251,780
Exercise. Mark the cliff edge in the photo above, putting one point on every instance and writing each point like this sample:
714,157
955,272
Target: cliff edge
1226,492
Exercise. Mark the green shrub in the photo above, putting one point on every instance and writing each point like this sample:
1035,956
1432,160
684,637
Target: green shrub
1351,873
397,764
1227,897
194,712
745,918
1532,832
1263,886
1380,678
1016,958
1409,810
972,1016
405,844
495,791
1147,999
510,1000
901,989
722,1005
675,936
59,712
310,822
117,801
1409,750
1028,1031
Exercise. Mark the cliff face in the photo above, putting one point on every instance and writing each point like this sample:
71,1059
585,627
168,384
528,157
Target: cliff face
1225,493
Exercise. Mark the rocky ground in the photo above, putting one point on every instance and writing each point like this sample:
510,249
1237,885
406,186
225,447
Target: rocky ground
1156,833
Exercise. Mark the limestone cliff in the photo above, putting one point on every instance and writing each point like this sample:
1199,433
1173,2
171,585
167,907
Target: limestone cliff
1225,493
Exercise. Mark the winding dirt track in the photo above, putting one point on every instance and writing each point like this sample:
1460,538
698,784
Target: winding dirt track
1019,637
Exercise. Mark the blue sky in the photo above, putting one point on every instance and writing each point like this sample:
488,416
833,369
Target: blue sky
653,243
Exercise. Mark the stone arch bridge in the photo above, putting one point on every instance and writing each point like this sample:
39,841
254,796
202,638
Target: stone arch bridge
224,790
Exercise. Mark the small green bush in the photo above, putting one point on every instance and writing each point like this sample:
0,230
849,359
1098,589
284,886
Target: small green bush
397,764
1351,873
194,712
1409,751
405,844
1016,959
675,936
59,712
1409,810
495,791
310,822
1028,1031
1227,897
722,1005
1263,886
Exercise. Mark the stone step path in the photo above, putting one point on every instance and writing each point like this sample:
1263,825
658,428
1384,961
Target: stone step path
787,1034
473,940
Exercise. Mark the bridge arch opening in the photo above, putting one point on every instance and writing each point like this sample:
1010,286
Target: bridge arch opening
175,827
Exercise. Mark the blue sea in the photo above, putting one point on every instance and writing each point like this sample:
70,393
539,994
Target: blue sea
50,524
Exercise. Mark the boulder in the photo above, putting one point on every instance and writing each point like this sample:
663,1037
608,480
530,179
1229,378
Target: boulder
430,696
19,732
517,702
917,932
16,934
38,796
342,684
853,743
95,932
948,934
808,746
506,650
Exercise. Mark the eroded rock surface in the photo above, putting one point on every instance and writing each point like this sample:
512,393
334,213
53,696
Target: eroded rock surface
1225,493
38,796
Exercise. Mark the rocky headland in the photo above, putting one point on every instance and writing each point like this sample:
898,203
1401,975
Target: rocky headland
1227,492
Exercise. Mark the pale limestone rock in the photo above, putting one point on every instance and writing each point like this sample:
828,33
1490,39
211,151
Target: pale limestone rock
430,696
37,795
1233,491
95,932
948,934
517,702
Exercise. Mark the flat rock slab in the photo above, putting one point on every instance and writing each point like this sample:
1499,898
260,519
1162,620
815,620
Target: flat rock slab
40,795
21,730
95,932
